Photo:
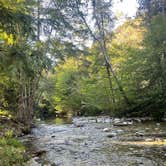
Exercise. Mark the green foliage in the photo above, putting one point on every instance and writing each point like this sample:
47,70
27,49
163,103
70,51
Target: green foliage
11,152
155,50
82,85
9,134
79,90
68,97
5,113
81,82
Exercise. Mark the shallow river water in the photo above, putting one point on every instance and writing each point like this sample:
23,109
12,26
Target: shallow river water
97,141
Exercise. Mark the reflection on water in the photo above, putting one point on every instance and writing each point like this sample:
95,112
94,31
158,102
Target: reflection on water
60,121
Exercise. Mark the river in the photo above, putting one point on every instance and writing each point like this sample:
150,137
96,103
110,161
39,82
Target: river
97,141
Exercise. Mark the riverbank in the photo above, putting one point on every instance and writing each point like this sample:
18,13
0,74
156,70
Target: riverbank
84,141
12,151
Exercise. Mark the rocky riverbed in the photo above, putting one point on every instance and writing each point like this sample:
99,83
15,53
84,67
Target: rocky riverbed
97,141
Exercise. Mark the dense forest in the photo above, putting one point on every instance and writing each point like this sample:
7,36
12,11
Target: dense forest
69,57
47,64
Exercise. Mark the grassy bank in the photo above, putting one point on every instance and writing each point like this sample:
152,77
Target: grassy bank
12,151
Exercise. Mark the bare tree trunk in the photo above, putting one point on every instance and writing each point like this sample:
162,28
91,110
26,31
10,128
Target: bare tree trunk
163,4
109,65
25,102
110,83
38,20
101,41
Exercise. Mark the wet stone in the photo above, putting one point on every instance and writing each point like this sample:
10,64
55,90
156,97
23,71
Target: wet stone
33,162
106,129
79,125
110,135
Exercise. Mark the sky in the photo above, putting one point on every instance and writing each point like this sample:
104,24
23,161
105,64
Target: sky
123,9
127,7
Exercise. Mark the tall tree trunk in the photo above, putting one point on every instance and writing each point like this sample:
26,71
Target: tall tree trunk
102,44
25,107
101,41
110,83
109,65
38,20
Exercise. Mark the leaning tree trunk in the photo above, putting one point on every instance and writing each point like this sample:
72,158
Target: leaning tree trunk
110,83
109,66
101,41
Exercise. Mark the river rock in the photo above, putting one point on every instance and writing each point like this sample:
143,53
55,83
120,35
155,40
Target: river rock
78,124
46,163
104,120
139,134
123,123
107,120
119,131
33,162
138,120
92,120
116,120
110,135
149,139
106,129
38,153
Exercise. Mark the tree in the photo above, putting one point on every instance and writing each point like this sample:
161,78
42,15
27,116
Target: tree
151,8
102,16
20,58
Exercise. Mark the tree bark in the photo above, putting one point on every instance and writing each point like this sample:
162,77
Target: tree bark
109,65
110,83
101,42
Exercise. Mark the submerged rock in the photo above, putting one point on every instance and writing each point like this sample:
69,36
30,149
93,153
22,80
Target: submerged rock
139,134
149,139
38,153
110,135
